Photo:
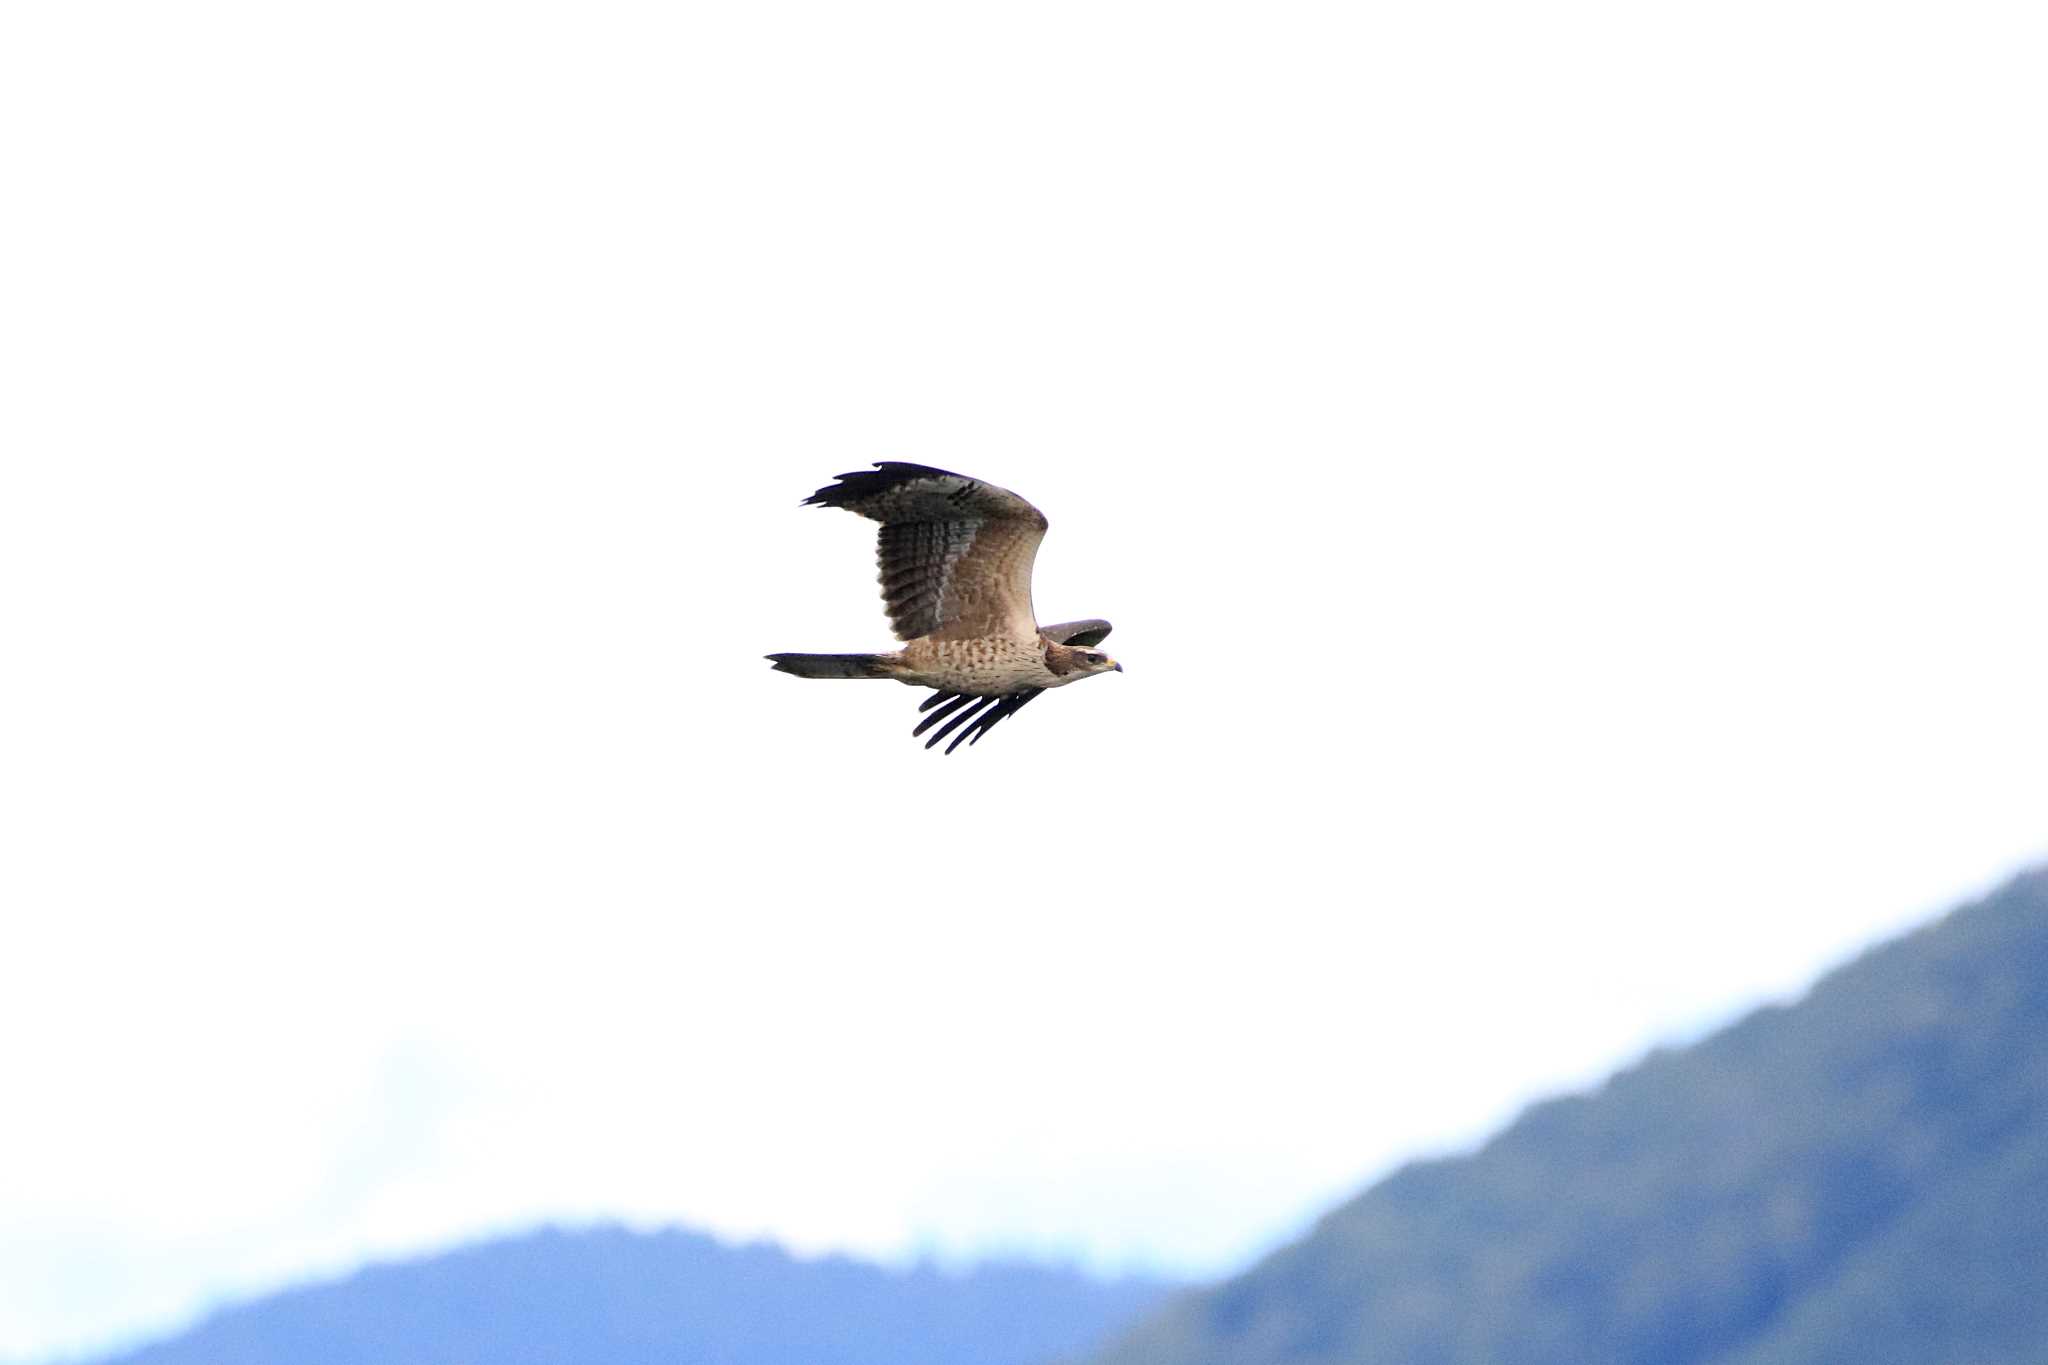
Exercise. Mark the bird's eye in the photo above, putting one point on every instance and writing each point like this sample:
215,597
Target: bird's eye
1094,658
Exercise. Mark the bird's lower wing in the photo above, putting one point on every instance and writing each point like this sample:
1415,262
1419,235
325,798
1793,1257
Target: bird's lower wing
978,714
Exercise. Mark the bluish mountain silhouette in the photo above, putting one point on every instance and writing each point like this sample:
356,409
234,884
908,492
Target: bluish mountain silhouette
1860,1178
608,1296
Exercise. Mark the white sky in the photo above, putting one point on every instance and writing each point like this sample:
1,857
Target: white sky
1569,481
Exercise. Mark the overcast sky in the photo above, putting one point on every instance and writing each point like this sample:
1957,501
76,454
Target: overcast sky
1569,481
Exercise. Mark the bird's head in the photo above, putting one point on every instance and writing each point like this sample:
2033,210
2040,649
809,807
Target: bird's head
1077,662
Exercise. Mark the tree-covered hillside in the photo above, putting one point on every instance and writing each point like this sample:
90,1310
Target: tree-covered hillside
612,1297
1860,1177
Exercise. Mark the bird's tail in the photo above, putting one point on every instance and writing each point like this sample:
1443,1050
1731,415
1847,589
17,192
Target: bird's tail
833,665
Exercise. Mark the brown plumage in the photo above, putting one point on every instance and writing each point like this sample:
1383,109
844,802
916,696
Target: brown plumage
956,556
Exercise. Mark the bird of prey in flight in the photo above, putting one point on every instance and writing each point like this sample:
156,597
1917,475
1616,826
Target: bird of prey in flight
956,559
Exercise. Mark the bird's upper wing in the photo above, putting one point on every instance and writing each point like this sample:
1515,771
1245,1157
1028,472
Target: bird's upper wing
956,553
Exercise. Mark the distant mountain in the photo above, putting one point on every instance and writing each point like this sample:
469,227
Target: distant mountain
612,1297
1858,1179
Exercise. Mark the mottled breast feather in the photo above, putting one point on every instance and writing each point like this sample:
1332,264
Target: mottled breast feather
956,553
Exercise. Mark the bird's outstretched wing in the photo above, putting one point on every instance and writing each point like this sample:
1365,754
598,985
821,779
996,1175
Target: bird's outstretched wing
979,716
956,553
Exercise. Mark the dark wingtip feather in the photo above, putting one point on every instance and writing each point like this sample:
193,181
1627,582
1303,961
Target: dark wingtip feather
981,715
982,724
862,484
1012,704
935,717
980,704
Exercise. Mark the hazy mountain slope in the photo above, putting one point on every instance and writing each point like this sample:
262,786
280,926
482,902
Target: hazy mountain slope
1857,1177
1961,1277
612,1297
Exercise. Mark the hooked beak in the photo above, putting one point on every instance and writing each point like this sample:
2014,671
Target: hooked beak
1117,667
